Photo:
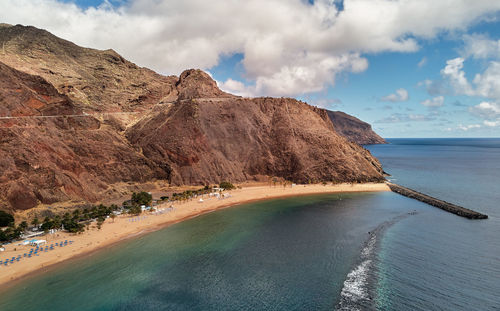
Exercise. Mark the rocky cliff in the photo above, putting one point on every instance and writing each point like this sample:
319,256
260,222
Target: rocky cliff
51,152
354,129
77,122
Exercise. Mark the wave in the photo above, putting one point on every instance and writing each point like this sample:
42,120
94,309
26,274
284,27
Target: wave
355,294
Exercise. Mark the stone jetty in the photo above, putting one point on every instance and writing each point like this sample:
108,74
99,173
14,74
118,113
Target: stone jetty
449,207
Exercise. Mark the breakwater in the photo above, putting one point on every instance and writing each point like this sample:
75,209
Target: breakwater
449,207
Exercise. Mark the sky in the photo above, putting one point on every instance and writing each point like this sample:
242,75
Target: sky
411,68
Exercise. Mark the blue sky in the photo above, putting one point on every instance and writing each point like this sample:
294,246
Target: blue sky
411,69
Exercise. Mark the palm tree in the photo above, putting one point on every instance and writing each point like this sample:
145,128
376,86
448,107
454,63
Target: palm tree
35,222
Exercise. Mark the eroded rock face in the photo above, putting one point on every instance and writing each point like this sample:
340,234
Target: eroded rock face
83,121
68,156
354,129
26,95
237,139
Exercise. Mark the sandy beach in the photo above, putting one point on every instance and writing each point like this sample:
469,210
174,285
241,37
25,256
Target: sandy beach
125,226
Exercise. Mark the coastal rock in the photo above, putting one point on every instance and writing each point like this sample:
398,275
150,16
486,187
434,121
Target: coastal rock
354,129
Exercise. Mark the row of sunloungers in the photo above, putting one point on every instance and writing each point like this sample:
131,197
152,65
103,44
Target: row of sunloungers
137,218
35,251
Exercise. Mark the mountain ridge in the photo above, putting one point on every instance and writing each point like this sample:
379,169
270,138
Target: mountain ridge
112,122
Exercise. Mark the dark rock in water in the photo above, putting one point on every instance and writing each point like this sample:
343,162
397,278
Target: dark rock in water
449,207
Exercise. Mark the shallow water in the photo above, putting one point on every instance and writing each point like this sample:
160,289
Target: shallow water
287,254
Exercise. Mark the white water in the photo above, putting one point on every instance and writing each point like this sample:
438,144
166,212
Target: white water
356,284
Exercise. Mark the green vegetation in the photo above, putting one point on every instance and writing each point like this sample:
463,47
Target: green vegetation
226,185
79,219
76,221
11,233
135,210
5,219
188,194
35,222
142,198
100,221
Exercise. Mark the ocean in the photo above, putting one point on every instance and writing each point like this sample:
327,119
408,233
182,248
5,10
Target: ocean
353,251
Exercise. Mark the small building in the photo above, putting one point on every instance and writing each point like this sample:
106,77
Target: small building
37,242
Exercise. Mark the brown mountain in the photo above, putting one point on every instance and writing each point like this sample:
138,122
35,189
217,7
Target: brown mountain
95,80
76,123
67,156
354,129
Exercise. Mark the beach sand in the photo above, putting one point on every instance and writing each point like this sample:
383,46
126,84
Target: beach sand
122,227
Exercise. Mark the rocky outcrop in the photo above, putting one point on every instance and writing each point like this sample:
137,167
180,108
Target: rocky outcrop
354,129
195,83
75,123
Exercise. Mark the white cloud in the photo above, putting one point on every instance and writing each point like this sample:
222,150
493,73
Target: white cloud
488,83
236,87
400,95
456,76
422,62
290,47
485,84
468,127
437,101
433,87
491,123
480,46
400,117
486,110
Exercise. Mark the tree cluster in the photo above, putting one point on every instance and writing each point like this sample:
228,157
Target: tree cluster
5,219
11,233
75,222
142,198
226,185
188,194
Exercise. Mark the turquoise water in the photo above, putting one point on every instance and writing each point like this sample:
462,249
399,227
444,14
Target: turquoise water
366,251
288,254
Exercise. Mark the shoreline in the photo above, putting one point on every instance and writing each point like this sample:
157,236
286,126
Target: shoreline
123,227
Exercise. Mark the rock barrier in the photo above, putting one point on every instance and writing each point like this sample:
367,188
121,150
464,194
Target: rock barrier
449,207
